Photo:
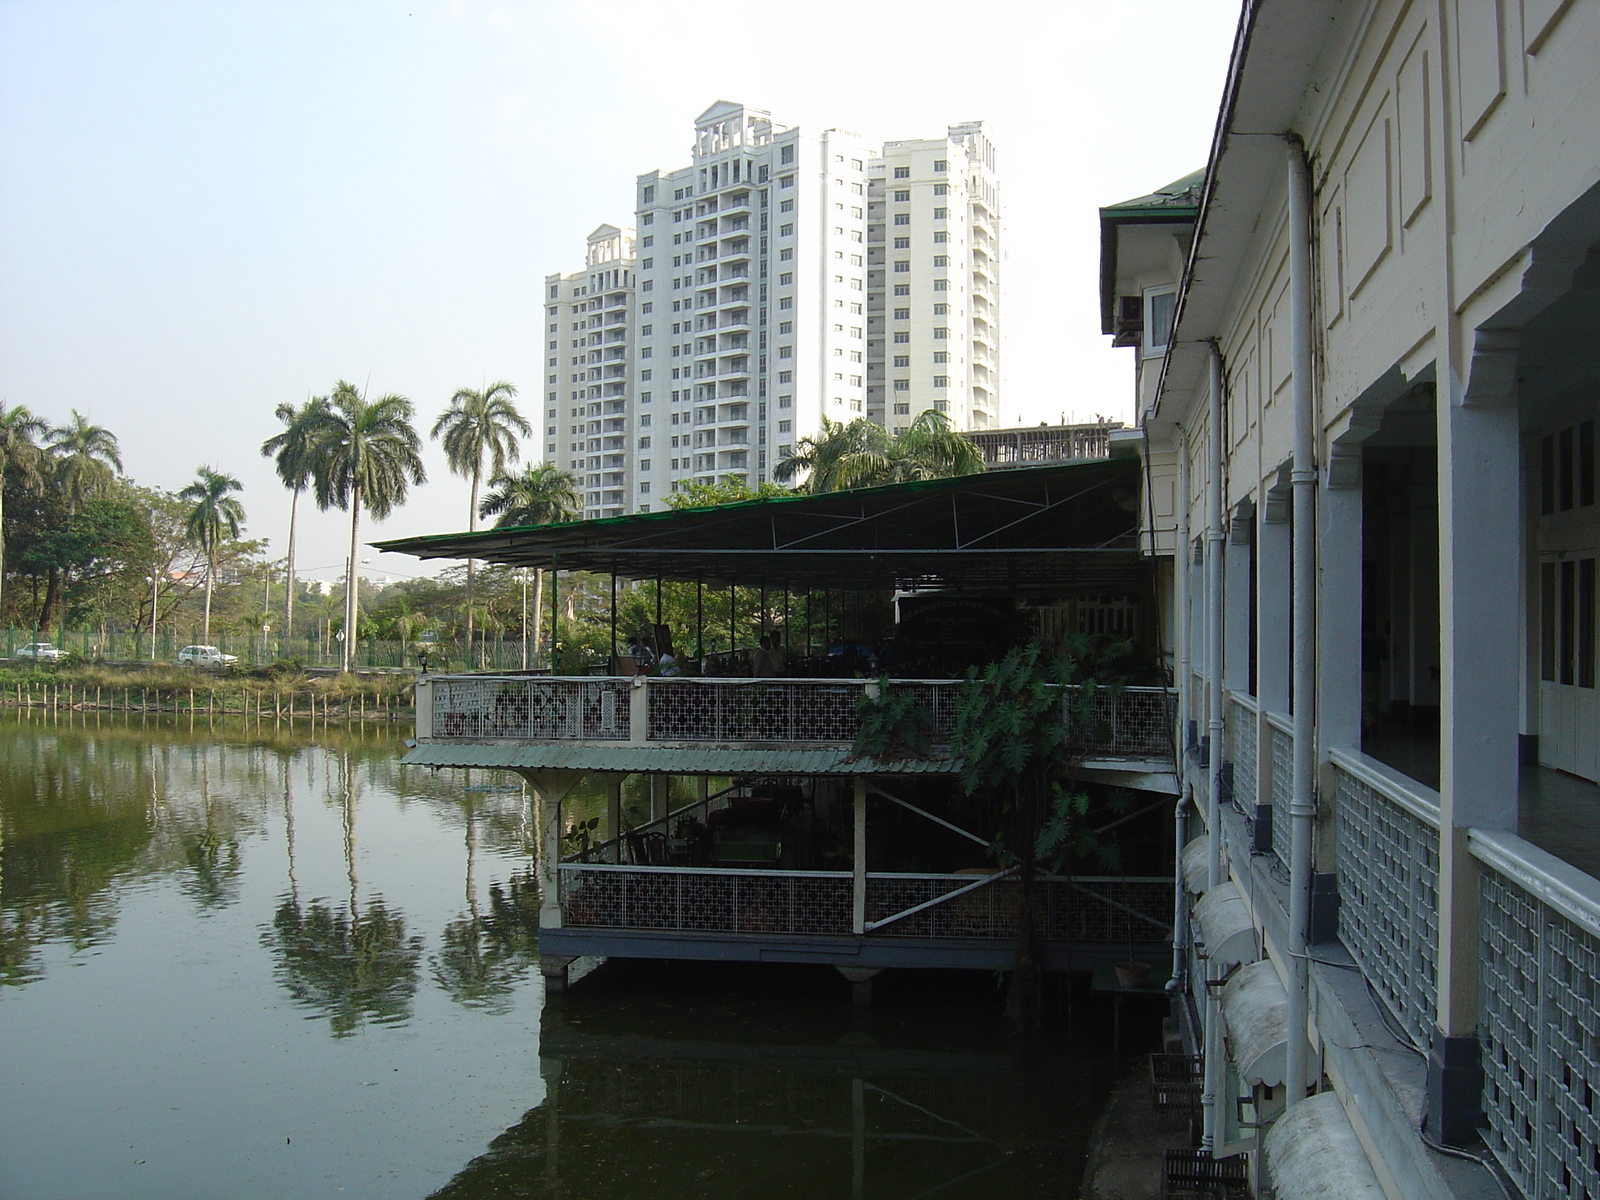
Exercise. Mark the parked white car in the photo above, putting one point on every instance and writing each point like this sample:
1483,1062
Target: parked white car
41,652
205,656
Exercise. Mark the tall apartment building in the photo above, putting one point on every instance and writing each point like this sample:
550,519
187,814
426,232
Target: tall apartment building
933,234
748,310
589,319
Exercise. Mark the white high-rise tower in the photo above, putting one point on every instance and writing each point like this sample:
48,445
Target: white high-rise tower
761,295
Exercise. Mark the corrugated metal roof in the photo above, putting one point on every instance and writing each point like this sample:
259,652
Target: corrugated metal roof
1072,523
673,760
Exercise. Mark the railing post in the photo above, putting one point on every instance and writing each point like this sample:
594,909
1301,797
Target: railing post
858,907
639,711
424,696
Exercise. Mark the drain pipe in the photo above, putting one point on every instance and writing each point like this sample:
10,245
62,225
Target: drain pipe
1302,798
1210,1099
1180,897
1182,566
1182,563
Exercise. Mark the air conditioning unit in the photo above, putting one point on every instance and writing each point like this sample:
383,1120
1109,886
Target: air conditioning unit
1130,321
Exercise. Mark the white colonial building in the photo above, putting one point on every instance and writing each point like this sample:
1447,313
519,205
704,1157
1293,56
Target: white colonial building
1368,367
753,303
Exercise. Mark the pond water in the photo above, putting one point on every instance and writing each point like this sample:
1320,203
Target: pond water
247,961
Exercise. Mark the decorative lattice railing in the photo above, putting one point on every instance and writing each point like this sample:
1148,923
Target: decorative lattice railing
1282,744
1134,723
729,900
1539,1015
487,706
1241,734
1388,865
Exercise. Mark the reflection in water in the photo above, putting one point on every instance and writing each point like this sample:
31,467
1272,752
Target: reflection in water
673,1082
349,966
239,894
482,956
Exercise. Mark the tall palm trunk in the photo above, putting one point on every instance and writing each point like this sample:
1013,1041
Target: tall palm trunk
211,573
2,543
288,589
472,527
538,608
348,646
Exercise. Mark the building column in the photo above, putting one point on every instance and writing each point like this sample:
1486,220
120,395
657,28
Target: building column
614,815
660,796
549,789
1340,651
1480,655
858,908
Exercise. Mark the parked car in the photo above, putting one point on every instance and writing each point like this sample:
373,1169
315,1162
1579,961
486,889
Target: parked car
205,656
41,652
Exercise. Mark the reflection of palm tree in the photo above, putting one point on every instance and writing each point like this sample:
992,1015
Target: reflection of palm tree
350,968
214,861
481,956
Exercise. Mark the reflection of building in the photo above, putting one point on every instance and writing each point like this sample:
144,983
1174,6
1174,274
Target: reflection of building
645,1099
1368,363
815,853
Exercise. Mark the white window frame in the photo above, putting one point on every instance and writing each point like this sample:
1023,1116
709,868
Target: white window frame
1147,348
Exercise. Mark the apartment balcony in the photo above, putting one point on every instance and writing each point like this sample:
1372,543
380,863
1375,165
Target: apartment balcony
735,319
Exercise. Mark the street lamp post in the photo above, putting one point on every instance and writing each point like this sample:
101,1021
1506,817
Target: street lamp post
524,618
154,579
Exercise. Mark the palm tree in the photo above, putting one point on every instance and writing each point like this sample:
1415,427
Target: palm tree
930,448
86,456
864,454
216,514
365,453
840,455
292,451
19,453
539,495
479,427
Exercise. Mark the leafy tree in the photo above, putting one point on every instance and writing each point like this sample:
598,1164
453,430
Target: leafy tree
480,429
216,514
366,452
19,456
82,552
293,452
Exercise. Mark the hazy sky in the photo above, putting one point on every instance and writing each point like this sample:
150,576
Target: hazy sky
208,208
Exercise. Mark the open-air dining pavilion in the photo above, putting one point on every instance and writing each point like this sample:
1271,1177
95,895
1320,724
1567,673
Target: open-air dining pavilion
769,837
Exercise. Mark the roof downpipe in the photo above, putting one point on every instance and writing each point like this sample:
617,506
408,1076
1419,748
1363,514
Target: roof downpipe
1302,798
1215,1052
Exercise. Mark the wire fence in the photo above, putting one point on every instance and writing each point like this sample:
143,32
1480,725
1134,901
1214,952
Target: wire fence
256,649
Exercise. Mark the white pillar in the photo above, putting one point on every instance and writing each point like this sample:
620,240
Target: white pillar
614,815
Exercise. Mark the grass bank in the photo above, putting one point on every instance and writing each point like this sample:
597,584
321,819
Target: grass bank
281,692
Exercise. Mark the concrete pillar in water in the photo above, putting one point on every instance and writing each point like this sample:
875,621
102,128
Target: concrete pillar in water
860,983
